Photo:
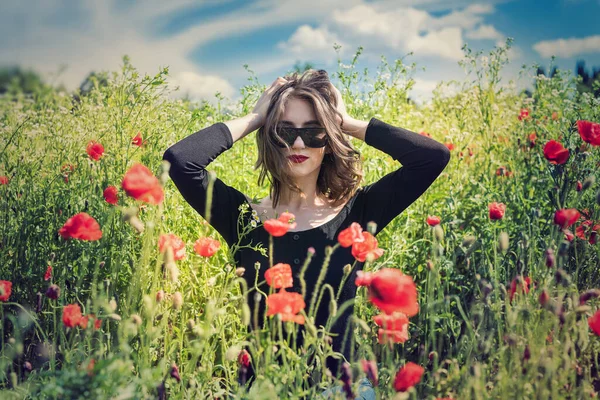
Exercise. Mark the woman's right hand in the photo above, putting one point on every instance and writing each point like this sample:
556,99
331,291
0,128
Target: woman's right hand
262,105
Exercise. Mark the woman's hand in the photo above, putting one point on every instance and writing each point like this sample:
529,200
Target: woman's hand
341,107
262,105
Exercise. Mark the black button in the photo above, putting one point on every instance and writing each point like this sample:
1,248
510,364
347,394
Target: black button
296,237
296,261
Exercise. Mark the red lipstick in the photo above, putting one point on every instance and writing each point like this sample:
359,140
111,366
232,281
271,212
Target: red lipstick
298,158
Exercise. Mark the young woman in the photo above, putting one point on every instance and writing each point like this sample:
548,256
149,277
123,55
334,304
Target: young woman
315,174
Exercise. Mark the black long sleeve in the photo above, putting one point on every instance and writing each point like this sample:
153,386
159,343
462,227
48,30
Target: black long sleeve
422,159
189,158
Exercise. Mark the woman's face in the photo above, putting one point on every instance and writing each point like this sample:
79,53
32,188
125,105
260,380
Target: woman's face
298,113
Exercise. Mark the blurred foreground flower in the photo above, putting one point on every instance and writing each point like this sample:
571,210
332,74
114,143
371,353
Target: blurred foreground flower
81,226
206,247
141,184
95,150
408,376
5,290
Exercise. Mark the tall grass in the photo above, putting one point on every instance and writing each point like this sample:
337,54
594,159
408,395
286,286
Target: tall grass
473,341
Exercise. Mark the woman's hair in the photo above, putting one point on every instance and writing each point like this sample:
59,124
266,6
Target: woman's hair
341,171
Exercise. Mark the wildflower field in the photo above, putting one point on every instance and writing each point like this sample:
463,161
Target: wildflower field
112,286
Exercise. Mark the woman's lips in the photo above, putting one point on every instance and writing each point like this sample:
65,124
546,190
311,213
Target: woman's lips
298,159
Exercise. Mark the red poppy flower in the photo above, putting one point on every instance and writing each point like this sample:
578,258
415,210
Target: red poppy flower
496,210
394,327
367,248
589,132
175,242
449,145
566,217
470,152
408,376
594,322
244,358
110,194
279,276
69,167
579,186
522,286
555,152
363,278
206,247
137,140
71,316
48,273
351,235
81,226
433,220
524,114
95,150
4,180
390,290
423,133
280,226
544,297
288,304
53,292
141,184
587,230
5,290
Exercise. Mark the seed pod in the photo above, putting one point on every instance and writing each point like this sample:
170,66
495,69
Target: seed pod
549,254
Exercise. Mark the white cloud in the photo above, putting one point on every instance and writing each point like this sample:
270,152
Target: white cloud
570,47
484,32
308,43
103,34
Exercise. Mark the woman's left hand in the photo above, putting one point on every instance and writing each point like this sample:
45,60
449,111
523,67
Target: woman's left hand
341,107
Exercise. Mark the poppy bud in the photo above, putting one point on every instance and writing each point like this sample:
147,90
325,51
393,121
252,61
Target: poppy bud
438,232
53,292
549,257
160,296
240,271
587,295
102,264
311,251
347,268
429,265
543,299
191,323
136,319
175,372
371,227
526,354
598,197
113,305
39,303
468,240
177,300
579,186
563,249
52,256
589,181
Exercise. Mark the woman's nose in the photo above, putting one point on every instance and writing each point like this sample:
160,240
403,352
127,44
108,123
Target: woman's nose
298,142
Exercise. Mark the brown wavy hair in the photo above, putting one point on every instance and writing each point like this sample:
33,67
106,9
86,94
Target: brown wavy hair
341,171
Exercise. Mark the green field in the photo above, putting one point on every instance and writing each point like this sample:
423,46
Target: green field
506,295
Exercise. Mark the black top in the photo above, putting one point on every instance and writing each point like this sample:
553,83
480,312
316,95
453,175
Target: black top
422,159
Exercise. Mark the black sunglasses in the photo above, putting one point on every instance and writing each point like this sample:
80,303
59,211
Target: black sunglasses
312,136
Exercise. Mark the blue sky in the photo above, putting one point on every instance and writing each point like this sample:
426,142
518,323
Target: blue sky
206,43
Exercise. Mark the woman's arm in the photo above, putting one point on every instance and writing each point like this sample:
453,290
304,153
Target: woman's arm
242,126
355,127
189,158
423,160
